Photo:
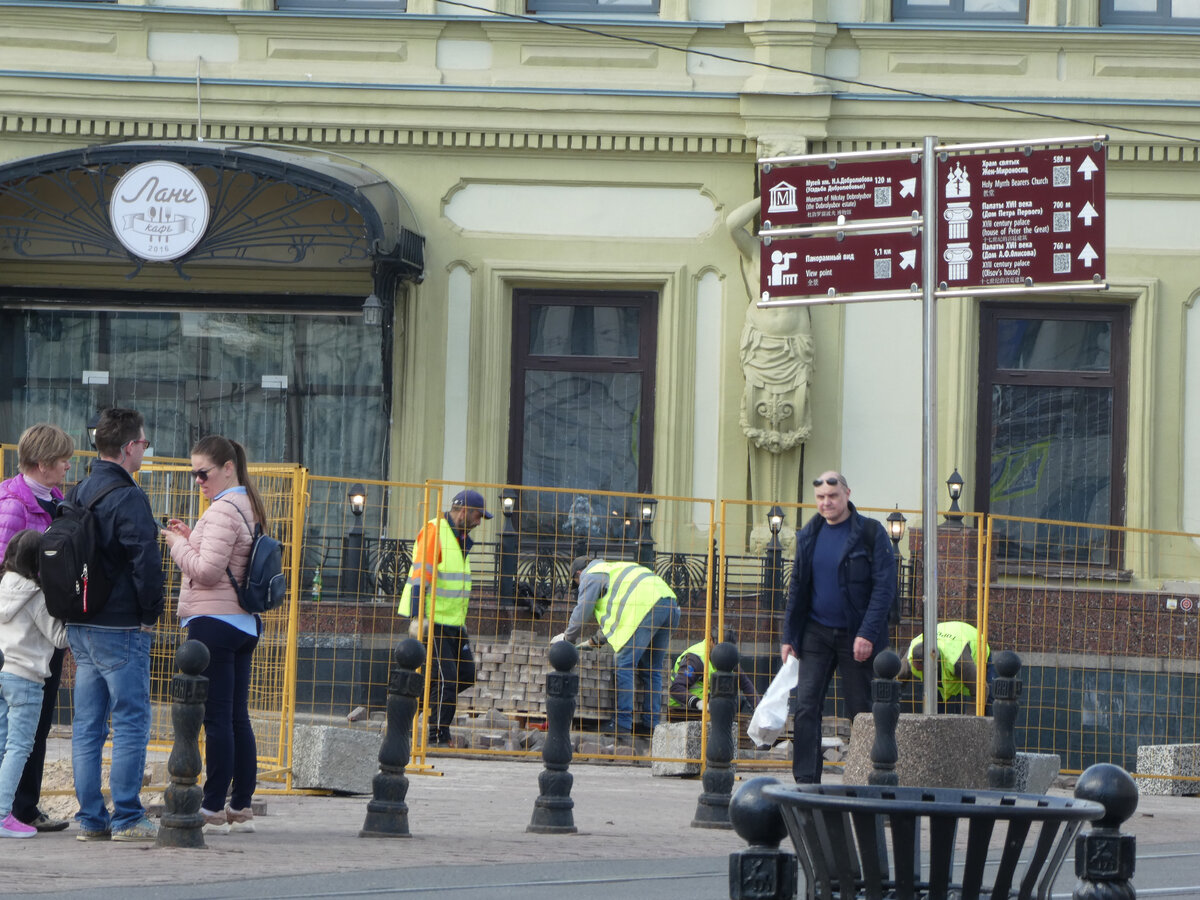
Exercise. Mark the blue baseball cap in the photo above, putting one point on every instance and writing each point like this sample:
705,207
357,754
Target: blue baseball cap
470,500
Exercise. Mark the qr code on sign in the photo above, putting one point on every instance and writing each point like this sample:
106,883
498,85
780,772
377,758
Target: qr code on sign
1061,176
883,196
1062,221
1062,263
883,268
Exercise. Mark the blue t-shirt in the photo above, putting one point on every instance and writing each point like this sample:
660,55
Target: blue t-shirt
828,608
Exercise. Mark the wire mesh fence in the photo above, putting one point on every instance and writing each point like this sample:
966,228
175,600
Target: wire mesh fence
1105,619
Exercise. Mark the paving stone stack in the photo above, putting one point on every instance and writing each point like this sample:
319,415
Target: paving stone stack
511,675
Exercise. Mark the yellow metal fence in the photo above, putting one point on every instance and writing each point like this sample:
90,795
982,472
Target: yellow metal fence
1105,619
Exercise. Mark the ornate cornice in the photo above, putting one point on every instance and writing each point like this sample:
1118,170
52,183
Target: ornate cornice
348,136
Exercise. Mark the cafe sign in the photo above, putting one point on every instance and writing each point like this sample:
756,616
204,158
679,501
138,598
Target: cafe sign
159,210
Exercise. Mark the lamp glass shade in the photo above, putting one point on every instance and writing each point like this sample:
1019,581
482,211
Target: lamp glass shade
649,507
896,525
775,519
372,310
358,499
954,484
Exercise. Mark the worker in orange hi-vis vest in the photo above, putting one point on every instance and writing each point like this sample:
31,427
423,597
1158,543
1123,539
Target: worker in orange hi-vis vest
441,570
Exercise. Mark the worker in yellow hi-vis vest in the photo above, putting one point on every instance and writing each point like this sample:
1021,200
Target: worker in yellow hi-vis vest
956,643
440,561
686,695
636,611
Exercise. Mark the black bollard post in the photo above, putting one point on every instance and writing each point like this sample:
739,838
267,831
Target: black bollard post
182,825
762,872
387,813
885,707
1006,693
712,810
552,811
1105,858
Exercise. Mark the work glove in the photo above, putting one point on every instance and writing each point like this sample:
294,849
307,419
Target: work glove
696,704
414,629
561,636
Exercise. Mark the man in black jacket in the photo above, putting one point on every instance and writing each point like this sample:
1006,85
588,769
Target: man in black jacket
842,588
112,649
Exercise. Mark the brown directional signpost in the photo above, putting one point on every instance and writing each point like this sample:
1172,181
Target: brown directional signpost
1014,217
805,195
852,263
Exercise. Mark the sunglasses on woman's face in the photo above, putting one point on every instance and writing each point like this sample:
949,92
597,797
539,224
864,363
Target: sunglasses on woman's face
201,475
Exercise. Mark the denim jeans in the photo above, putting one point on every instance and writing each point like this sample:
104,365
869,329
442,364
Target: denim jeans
821,651
29,790
19,710
112,678
231,754
645,656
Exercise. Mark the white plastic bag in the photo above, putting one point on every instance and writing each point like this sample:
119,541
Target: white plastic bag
771,713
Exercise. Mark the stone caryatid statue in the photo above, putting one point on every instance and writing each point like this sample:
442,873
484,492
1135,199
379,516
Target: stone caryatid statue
776,354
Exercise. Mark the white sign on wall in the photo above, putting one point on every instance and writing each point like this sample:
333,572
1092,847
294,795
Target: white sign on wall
159,210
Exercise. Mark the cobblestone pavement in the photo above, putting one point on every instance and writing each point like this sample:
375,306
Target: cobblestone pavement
466,813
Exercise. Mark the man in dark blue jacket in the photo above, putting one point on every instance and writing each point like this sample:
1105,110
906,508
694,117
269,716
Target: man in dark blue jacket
112,649
842,588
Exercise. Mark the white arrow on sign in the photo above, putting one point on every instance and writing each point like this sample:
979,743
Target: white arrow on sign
1088,213
908,187
1087,167
908,259
1087,254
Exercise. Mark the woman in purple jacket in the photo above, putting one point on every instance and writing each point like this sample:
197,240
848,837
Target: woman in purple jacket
29,500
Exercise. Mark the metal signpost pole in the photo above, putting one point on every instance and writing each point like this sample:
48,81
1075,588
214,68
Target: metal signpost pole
929,422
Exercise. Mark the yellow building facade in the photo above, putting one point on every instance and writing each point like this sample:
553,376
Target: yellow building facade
548,200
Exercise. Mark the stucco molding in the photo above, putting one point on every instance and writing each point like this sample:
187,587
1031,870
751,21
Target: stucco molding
1142,296
432,138
491,328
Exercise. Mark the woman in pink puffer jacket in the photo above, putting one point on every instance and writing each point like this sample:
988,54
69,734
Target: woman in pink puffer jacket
212,556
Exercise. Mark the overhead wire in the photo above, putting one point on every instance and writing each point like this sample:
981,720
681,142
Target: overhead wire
910,92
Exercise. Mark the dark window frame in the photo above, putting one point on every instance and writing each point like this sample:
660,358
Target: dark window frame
644,364
903,11
1116,379
343,5
537,7
1110,15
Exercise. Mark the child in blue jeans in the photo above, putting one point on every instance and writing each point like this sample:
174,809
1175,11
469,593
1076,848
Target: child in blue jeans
28,636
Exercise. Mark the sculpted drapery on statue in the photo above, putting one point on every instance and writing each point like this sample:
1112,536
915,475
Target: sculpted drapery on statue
776,355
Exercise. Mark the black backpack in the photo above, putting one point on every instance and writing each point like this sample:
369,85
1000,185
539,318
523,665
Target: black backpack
264,587
70,566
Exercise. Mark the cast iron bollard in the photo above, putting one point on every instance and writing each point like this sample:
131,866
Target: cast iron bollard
182,825
885,707
712,810
1105,858
763,871
387,813
552,809
1006,693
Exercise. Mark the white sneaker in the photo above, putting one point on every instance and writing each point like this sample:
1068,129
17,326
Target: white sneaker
241,821
215,822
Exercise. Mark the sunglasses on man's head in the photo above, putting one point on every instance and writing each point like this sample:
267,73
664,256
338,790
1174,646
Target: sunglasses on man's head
201,475
817,482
